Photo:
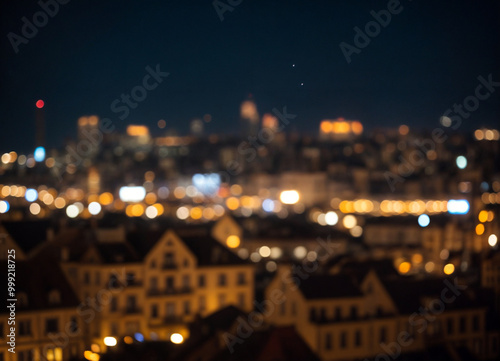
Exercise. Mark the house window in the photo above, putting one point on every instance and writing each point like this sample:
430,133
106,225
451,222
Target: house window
338,313
170,309
312,314
383,334
51,325
241,300
97,278
354,312
169,283
449,325
202,303
294,308
113,305
343,339
463,324
73,326
222,279
282,308
187,307
357,338
328,341
222,300
201,281
186,263
27,355
86,278
154,310
168,260
24,328
186,281
153,283
241,278
152,264
131,304
475,323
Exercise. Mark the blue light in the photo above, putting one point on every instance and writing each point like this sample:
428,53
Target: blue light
139,337
4,206
423,220
461,162
208,184
31,195
268,205
458,206
39,154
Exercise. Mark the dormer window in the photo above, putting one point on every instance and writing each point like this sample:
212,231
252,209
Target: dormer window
54,297
22,299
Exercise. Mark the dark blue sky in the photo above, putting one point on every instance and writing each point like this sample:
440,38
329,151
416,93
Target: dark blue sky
424,61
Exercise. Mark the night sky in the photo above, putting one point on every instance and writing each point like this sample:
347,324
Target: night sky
90,52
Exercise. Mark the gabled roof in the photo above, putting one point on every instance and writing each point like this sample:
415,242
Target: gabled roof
37,278
410,293
209,252
27,234
116,252
329,286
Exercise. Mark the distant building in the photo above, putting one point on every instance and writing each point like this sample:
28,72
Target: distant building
340,129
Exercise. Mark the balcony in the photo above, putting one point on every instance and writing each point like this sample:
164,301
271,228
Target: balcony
169,265
132,310
169,291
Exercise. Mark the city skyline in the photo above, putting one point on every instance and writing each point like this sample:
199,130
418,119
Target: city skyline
290,55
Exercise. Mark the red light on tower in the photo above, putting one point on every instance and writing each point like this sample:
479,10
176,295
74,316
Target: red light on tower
40,104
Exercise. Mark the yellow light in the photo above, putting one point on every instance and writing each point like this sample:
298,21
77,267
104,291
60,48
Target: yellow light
233,241
176,338
479,134
95,348
341,127
137,130
159,208
128,340
404,267
196,212
357,127
479,229
289,197
449,269
246,201
417,258
95,357
208,213
150,198
236,189
5,158
35,208
88,354
403,129
232,203
483,216
491,216
110,341
349,221
326,126
137,210
13,156
106,198
179,192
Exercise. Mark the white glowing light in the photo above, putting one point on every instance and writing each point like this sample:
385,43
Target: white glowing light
132,194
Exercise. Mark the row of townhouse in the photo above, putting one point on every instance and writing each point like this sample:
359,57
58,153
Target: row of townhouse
147,285
363,313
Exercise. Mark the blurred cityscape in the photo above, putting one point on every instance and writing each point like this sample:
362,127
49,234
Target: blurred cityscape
266,245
